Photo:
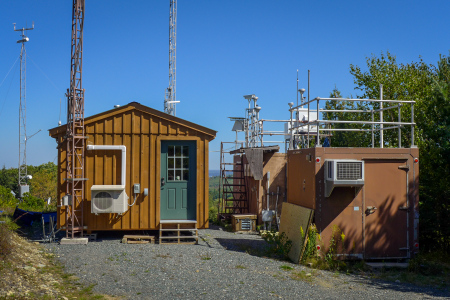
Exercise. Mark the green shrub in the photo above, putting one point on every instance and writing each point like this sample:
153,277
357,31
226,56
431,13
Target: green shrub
279,243
311,243
7,199
32,203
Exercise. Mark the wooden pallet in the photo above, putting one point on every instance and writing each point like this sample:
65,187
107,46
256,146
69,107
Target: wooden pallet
178,232
138,239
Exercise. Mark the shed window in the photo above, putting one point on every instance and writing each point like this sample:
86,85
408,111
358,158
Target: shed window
178,163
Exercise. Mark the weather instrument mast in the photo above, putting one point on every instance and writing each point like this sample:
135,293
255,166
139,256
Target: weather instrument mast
170,99
23,176
75,127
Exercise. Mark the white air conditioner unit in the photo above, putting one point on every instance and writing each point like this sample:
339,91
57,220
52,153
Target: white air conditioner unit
343,172
108,199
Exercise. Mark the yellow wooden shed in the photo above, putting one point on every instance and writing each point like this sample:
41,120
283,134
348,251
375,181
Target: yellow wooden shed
142,167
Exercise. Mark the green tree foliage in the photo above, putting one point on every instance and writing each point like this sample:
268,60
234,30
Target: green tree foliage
347,138
9,178
32,203
435,162
6,198
429,86
42,186
44,182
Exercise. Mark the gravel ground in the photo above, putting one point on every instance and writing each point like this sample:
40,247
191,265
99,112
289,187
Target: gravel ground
219,267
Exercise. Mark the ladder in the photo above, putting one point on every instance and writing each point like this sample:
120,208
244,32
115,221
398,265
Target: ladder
232,187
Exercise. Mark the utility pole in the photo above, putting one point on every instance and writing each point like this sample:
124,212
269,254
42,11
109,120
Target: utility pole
170,99
75,128
23,173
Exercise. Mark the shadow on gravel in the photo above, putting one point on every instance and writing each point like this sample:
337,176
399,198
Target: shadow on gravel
250,246
406,288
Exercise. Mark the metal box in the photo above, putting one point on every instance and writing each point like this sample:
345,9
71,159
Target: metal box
243,222
23,189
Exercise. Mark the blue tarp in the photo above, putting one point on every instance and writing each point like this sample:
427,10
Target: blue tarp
28,217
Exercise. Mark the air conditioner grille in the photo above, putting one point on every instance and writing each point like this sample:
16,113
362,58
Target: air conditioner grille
349,170
103,201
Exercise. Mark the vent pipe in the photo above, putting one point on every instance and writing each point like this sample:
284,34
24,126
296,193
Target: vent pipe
114,147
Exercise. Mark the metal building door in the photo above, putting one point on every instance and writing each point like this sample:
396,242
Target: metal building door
385,194
178,180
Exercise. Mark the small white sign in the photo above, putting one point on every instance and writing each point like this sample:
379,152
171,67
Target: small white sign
356,208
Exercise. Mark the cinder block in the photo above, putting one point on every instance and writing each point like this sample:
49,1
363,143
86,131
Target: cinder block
74,241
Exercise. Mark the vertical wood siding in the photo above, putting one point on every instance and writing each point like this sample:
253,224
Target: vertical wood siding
142,134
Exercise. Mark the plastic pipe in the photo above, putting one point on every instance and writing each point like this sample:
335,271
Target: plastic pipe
114,147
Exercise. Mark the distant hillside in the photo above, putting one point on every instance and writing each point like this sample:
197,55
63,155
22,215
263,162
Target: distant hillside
213,173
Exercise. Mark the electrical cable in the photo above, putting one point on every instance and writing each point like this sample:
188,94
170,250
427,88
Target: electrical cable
7,92
9,71
135,198
54,85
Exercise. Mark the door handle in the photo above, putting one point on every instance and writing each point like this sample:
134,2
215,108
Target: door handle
163,181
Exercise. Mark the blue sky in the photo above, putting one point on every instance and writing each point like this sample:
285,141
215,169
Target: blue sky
225,49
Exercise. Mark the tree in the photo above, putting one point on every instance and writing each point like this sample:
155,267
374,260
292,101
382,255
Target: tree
44,182
435,162
429,86
9,178
7,199
346,138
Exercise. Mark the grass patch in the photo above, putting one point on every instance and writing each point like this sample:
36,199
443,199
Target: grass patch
205,257
286,268
302,275
240,267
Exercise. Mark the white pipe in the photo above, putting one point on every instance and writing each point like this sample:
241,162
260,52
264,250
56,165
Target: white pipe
381,117
267,190
114,147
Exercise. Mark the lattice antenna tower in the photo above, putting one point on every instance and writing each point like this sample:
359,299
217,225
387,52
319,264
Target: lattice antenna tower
170,99
23,110
75,139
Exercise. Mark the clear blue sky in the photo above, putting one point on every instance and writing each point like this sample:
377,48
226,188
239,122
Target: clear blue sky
225,49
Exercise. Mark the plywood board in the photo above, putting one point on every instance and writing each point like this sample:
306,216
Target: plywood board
294,220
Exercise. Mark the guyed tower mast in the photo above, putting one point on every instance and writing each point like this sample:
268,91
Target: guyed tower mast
23,186
75,138
170,99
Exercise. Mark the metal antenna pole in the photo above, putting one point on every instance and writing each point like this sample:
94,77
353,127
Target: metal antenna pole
170,100
75,127
23,172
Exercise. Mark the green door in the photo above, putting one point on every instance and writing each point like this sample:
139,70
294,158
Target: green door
178,180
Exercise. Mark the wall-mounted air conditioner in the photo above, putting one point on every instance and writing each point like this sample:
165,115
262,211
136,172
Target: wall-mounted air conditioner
343,172
108,199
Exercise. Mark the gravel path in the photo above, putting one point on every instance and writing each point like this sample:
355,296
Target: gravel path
220,267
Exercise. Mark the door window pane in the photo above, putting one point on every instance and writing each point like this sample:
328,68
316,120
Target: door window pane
171,151
178,163
178,151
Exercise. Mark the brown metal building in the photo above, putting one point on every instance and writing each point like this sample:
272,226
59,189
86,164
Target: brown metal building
257,191
166,172
378,214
